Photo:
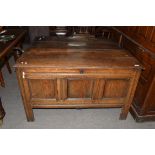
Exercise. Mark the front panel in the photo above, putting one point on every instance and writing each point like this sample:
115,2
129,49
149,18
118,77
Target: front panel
42,88
79,90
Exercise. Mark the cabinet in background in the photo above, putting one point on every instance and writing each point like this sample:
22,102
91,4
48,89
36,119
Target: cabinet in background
140,41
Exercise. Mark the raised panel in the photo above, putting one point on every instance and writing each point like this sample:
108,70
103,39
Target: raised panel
42,88
79,88
116,88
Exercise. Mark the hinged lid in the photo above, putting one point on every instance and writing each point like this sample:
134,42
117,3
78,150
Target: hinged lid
78,58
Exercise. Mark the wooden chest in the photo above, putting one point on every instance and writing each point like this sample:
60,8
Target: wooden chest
77,78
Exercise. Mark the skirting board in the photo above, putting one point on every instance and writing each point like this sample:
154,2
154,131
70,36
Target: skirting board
139,118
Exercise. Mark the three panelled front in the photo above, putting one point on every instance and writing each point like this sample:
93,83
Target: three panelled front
75,89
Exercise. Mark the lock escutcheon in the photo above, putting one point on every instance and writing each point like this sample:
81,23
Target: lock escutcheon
81,71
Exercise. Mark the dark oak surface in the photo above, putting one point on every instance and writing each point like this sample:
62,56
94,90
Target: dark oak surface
93,75
144,35
139,40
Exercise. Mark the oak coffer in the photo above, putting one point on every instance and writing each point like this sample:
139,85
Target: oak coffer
77,78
